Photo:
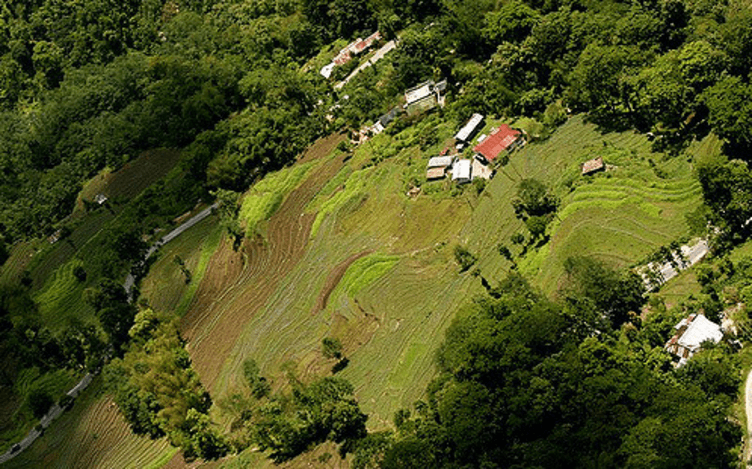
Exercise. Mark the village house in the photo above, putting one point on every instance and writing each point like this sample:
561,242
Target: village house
593,166
438,166
54,237
467,132
348,52
691,333
100,199
425,96
462,171
385,120
502,139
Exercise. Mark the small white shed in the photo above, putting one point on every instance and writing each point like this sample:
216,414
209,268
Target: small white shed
462,171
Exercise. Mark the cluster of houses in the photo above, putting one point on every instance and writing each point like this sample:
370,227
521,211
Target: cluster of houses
500,140
348,52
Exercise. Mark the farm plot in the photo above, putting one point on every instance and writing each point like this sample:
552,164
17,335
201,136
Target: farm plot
237,284
93,435
167,286
619,216
389,308
62,298
128,181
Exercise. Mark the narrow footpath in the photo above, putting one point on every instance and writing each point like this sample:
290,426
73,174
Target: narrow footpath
56,411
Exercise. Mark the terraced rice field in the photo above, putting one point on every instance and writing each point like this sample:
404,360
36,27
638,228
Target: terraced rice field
237,283
165,286
619,216
391,324
122,185
128,181
16,419
346,254
93,435
62,298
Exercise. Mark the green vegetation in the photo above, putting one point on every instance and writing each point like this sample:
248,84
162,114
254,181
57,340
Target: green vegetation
158,392
219,94
267,195
353,191
289,424
164,285
521,373
60,299
93,434
365,271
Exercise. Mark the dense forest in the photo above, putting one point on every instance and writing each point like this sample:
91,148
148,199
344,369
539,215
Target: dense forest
524,381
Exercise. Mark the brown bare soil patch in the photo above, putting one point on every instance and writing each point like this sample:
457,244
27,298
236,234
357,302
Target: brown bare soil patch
233,289
332,280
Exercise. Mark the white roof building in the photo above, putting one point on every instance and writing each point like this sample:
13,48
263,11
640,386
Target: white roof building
419,92
469,129
692,332
440,161
462,171
326,70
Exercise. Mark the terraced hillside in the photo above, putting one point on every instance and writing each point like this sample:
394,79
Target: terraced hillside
391,324
93,434
345,253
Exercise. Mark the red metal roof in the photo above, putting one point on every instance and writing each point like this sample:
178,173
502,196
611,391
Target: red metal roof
499,140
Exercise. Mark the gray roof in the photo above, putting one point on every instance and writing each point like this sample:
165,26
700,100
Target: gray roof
440,161
390,116
469,129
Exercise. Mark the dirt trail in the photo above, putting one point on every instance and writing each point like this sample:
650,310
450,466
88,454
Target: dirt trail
235,287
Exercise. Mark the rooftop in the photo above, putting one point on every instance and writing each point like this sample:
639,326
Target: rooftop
419,92
436,173
499,140
591,166
699,330
472,125
462,170
440,161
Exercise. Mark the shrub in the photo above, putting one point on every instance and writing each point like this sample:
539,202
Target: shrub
464,258
40,402
332,348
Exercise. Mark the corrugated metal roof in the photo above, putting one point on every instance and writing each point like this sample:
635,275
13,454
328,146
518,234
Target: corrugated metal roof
700,330
499,140
440,161
419,92
472,125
